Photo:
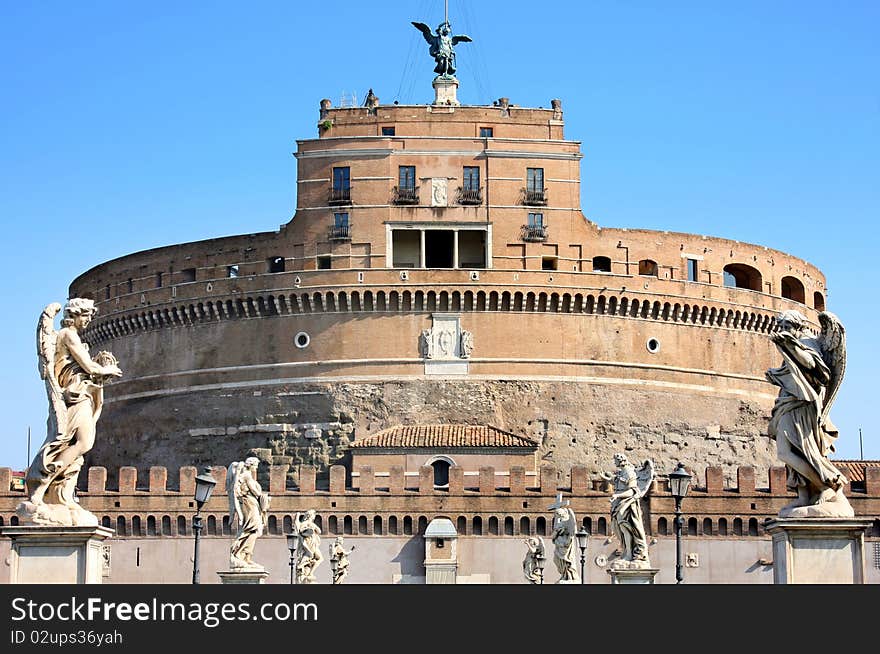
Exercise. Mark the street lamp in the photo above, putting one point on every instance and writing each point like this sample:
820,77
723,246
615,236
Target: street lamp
293,546
204,485
334,564
539,564
582,535
679,481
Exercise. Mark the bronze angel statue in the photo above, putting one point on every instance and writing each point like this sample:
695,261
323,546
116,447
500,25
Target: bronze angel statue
442,44
75,388
248,506
631,484
808,380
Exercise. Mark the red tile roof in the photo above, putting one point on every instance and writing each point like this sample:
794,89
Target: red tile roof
452,436
854,470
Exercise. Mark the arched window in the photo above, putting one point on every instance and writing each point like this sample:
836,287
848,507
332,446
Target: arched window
524,526
648,267
331,525
493,526
120,526
508,526
662,527
818,301
377,526
461,525
362,524
478,526
151,525
287,524
136,525
739,275
441,465
737,527
540,526
602,526
407,526
793,289
166,525
601,264
273,524
346,525
392,525
692,527
707,526
422,525
181,525
722,526
105,521
753,526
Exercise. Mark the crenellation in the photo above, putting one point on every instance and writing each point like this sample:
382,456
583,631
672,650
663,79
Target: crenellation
158,479
187,483
456,480
396,480
337,479
517,480
426,480
307,475
128,479
872,481
548,480
580,483
367,483
714,480
777,477
6,480
745,480
97,479
278,478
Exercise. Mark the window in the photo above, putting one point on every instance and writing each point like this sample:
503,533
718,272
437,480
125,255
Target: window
340,219
158,280
601,264
323,263
407,177
107,292
549,263
487,132
387,131
341,178
441,472
536,220
232,271
648,267
188,275
692,270
130,285
535,179
471,178
276,264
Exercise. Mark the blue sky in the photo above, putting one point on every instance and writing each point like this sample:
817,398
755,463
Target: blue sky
130,125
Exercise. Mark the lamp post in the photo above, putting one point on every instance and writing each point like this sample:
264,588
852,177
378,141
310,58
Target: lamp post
334,564
679,481
582,535
539,564
204,485
293,546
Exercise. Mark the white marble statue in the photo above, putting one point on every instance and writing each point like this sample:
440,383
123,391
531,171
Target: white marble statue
564,545
466,344
808,380
630,486
339,554
75,388
248,505
309,551
535,546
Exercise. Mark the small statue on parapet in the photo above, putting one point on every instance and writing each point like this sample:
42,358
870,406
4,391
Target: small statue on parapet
75,388
309,553
248,504
564,528
339,560
531,569
630,486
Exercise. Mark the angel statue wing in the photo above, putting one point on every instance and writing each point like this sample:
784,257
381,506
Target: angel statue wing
46,338
644,477
232,475
832,342
426,32
461,38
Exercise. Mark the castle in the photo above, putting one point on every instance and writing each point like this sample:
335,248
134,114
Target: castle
438,273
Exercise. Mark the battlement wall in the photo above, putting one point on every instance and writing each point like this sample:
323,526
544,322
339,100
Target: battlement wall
397,504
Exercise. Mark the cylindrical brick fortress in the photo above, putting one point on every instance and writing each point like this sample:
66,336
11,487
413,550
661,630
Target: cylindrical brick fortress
439,269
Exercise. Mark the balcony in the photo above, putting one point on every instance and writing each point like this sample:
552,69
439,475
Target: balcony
534,197
340,233
339,196
405,195
534,233
470,195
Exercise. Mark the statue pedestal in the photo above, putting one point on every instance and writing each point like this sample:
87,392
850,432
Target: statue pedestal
243,576
632,575
818,550
56,555
445,91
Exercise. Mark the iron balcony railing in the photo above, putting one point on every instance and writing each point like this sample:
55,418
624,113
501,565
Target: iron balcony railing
340,196
340,233
470,195
535,197
534,233
406,195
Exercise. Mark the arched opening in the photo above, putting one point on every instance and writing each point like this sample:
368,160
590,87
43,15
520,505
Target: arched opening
377,526
408,526
508,526
601,264
707,526
818,301
151,525
120,526
362,524
648,268
392,525
346,525
181,525
493,526
793,289
662,527
739,275
722,526
441,466
737,527
524,526
478,526
461,525
331,525
166,525
753,526
136,525
602,527
540,526
692,527
422,526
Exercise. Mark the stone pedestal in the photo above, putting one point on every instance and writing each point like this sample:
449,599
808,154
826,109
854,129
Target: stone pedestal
818,550
445,91
56,555
632,575
243,576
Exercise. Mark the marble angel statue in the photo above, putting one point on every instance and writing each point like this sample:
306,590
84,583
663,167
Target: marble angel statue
75,387
809,379
564,545
248,506
309,552
630,486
